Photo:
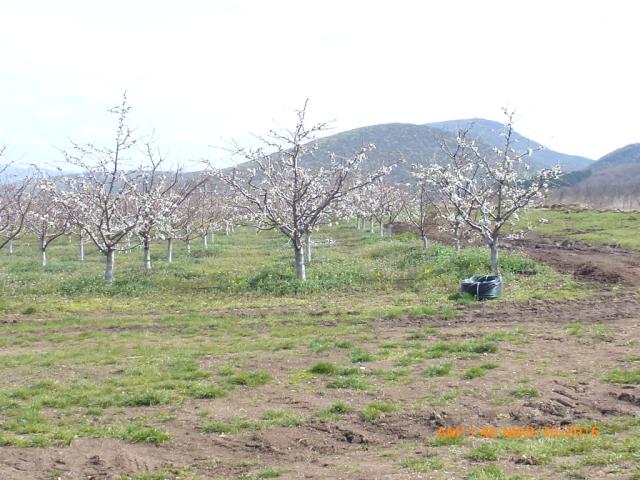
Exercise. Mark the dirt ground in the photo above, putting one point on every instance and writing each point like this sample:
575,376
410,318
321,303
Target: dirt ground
566,370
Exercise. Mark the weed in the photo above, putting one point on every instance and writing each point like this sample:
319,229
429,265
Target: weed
525,392
437,370
375,410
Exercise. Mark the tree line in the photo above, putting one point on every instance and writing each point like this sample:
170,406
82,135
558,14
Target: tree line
124,195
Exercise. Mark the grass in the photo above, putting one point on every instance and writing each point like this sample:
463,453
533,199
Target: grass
248,270
324,368
376,410
142,434
484,452
608,228
490,472
234,425
525,392
214,338
250,379
478,371
620,375
423,464
349,383
437,370
335,411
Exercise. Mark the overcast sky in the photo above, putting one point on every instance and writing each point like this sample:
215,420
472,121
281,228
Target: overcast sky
204,72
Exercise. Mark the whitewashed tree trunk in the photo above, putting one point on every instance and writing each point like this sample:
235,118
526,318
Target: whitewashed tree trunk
226,229
425,242
205,240
381,228
170,250
390,230
43,254
371,225
187,244
300,271
81,248
146,255
308,242
108,272
495,261
213,237
10,247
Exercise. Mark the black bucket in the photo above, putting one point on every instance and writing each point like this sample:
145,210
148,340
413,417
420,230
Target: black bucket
483,287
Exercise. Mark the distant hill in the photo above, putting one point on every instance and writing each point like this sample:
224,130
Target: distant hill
628,155
420,144
489,131
611,182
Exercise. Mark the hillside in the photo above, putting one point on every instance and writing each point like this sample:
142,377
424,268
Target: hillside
421,144
489,132
627,155
612,182
414,143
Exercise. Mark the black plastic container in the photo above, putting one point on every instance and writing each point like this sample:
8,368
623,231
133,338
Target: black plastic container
483,287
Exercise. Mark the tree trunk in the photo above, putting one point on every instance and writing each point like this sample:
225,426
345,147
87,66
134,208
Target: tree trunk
43,255
226,230
205,241
81,248
213,237
308,242
495,261
425,242
187,244
170,250
108,272
358,223
381,228
146,255
11,246
390,230
371,225
300,272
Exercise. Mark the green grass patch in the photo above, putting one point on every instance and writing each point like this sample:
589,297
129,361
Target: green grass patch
620,375
437,370
375,410
525,392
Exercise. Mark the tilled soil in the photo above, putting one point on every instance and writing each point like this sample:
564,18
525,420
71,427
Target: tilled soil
605,265
566,370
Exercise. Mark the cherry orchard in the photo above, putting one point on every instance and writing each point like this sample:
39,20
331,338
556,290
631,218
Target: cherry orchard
487,190
276,192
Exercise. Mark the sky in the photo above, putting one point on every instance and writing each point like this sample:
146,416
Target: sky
202,74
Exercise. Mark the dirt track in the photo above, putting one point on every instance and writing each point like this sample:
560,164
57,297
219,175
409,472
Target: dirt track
603,264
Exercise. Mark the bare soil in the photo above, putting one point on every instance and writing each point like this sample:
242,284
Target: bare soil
566,370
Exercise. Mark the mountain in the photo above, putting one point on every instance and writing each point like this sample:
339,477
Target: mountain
489,131
613,181
627,155
420,144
